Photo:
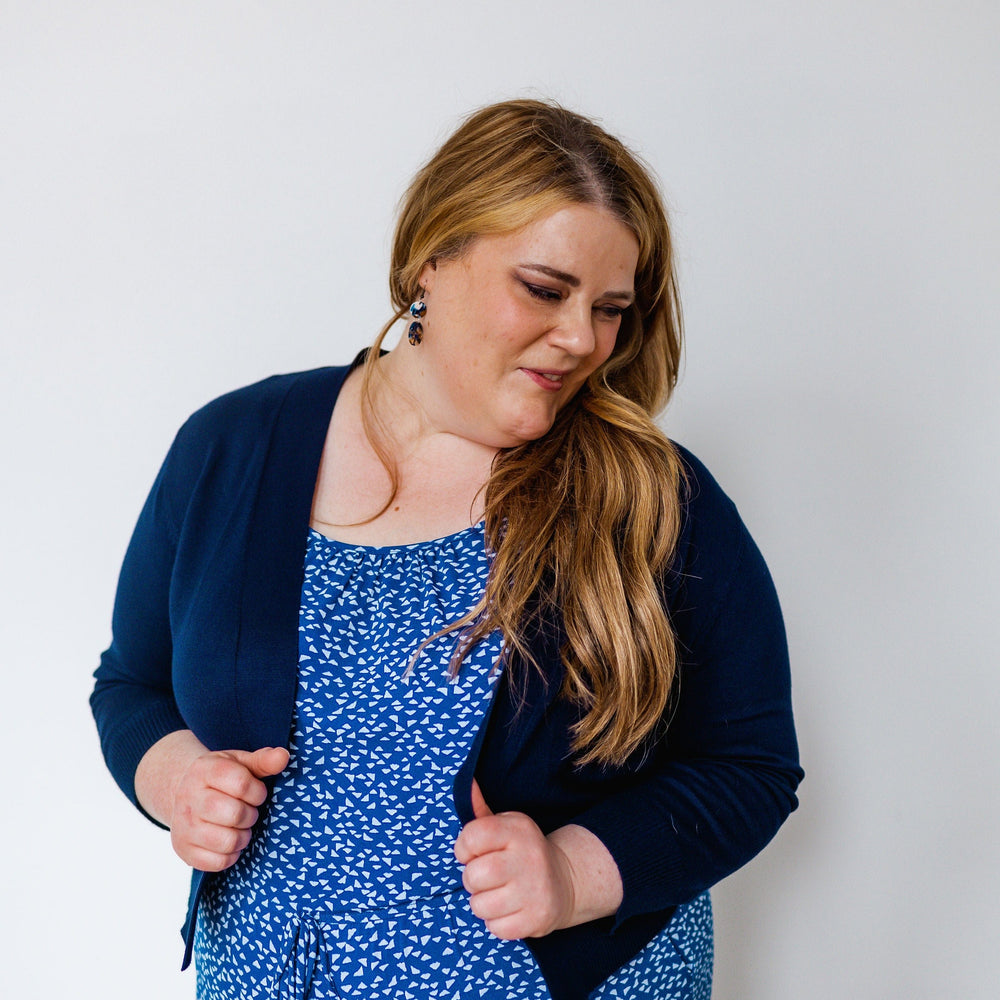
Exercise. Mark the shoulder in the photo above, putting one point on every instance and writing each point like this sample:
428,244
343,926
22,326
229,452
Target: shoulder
241,411
226,439
242,420
708,516
716,552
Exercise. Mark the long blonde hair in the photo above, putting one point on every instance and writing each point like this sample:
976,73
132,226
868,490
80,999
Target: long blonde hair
581,523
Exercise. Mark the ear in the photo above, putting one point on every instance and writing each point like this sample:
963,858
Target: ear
426,278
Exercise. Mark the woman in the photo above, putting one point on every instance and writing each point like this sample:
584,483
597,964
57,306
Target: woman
448,672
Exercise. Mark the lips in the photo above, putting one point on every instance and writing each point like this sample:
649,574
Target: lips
546,378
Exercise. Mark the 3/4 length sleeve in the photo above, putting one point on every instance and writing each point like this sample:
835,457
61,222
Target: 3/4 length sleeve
133,701
729,763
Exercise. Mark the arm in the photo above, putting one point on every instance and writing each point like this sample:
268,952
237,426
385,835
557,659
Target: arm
716,788
209,800
730,762
726,783
133,701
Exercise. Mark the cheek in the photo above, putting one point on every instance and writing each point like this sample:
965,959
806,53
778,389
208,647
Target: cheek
605,348
462,369
511,324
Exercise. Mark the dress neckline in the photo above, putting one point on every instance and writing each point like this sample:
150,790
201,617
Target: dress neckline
317,537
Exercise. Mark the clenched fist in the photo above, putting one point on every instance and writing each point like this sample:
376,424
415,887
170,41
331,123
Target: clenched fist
209,799
216,805
521,883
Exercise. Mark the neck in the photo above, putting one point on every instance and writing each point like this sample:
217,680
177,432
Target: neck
403,411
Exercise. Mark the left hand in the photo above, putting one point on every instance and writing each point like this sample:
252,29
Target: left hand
520,882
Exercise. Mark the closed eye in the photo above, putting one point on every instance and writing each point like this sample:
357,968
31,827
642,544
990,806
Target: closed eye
538,292
610,312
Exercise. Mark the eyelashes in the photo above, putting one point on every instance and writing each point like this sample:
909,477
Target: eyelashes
612,312
550,295
545,294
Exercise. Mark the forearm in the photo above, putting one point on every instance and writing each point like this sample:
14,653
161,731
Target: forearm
596,881
161,768
682,831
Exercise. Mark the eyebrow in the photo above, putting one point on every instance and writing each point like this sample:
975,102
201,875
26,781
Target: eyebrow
573,281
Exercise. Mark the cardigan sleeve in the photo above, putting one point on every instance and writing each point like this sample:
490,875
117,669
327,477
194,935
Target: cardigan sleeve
176,627
133,701
730,759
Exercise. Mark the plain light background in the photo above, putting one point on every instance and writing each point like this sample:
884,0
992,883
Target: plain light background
196,195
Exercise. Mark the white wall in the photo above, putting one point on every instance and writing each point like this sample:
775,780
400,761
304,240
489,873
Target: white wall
194,195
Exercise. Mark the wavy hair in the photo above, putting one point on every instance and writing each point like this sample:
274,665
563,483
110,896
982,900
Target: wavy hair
581,523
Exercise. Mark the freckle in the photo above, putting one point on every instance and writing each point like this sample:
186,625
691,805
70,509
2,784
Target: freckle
395,508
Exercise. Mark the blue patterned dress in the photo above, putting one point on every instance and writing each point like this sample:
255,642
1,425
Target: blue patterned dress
351,888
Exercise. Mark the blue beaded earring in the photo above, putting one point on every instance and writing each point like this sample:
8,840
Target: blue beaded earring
416,332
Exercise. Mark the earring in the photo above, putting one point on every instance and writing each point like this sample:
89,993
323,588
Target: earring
415,334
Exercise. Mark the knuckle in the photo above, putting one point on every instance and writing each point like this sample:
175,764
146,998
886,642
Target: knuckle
240,781
523,826
256,794
212,767
490,869
251,790
229,842
236,814
199,767
182,815
218,808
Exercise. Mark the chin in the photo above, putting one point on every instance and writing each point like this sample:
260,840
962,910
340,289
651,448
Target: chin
524,434
523,424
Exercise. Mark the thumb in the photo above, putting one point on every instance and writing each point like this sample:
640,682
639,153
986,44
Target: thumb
479,806
266,761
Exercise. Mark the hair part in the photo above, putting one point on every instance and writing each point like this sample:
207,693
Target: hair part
583,522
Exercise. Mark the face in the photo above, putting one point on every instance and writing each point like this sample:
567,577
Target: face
516,325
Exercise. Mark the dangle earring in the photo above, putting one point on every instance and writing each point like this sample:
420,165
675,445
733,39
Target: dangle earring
415,334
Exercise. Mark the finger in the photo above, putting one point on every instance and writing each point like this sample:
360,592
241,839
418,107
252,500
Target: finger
511,928
218,839
209,847
206,861
263,763
495,833
463,855
481,836
228,772
223,810
492,905
479,806
268,761
485,872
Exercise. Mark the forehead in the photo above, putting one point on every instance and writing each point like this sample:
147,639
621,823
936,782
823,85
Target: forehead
572,238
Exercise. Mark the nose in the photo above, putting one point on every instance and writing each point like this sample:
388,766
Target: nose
574,332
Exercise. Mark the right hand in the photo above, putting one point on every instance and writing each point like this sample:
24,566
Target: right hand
215,804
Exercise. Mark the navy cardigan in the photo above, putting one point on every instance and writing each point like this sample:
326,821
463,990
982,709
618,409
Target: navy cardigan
205,637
